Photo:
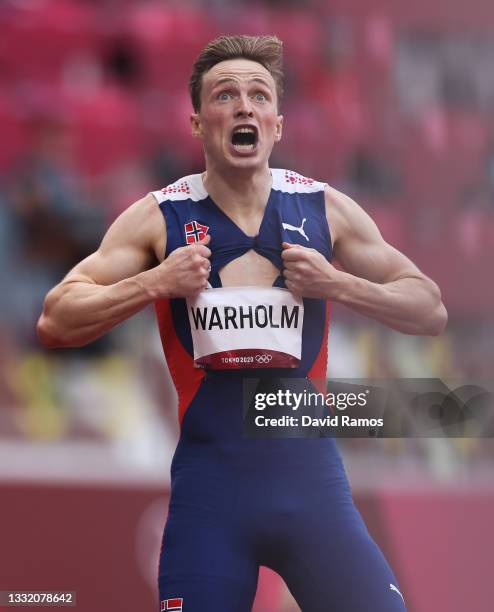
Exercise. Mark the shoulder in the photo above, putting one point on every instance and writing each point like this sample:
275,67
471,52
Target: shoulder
140,226
140,215
186,188
289,181
339,202
345,216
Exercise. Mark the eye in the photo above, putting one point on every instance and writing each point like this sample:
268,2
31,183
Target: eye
260,97
223,96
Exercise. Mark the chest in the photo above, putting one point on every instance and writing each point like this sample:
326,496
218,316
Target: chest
252,268
237,256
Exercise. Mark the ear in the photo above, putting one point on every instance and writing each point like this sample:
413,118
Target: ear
279,128
195,124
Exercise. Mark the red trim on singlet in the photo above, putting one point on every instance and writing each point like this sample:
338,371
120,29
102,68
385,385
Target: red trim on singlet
186,377
317,373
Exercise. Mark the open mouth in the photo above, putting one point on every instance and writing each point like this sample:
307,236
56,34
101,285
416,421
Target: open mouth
244,138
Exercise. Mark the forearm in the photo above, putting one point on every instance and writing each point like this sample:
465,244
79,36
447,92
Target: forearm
410,305
78,312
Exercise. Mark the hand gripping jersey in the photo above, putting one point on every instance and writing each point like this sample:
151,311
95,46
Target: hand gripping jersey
239,502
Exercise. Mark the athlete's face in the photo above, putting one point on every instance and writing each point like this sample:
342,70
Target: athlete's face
238,121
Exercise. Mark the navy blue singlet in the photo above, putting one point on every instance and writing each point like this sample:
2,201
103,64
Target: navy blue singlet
239,502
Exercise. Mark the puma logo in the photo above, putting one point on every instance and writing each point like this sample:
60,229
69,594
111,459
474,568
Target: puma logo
393,588
300,229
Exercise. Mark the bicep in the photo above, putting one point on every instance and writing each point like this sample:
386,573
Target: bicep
109,265
359,247
131,245
376,261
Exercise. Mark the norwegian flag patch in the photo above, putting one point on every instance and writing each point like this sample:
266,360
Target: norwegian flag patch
195,231
172,605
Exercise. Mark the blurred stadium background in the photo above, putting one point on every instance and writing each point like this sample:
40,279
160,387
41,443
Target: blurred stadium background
391,102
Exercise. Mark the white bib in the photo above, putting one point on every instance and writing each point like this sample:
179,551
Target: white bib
246,327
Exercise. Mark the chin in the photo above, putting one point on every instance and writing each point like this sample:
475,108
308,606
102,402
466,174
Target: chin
246,162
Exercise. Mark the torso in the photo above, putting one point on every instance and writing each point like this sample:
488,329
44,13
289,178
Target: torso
295,213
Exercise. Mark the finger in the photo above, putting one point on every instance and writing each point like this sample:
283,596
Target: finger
289,245
205,240
201,262
293,277
296,266
294,254
202,250
292,287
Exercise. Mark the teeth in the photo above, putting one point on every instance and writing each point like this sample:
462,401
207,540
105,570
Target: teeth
244,130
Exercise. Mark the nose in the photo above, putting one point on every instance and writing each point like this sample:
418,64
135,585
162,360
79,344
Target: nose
244,107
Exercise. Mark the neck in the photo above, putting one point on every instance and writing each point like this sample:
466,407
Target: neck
238,190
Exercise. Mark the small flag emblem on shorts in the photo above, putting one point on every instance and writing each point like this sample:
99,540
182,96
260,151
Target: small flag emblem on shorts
195,231
172,605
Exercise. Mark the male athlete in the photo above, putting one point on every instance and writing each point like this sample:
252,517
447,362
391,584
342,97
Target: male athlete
238,263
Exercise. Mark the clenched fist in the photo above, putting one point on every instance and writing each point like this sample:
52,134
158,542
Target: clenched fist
308,273
185,272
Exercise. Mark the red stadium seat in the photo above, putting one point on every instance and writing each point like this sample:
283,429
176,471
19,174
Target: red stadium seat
107,129
168,38
40,37
13,131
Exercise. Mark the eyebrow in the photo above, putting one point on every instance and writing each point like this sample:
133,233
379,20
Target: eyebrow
223,80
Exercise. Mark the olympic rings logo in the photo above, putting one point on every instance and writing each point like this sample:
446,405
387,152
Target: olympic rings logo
263,358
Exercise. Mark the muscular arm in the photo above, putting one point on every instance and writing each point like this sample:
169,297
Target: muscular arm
377,280
120,278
